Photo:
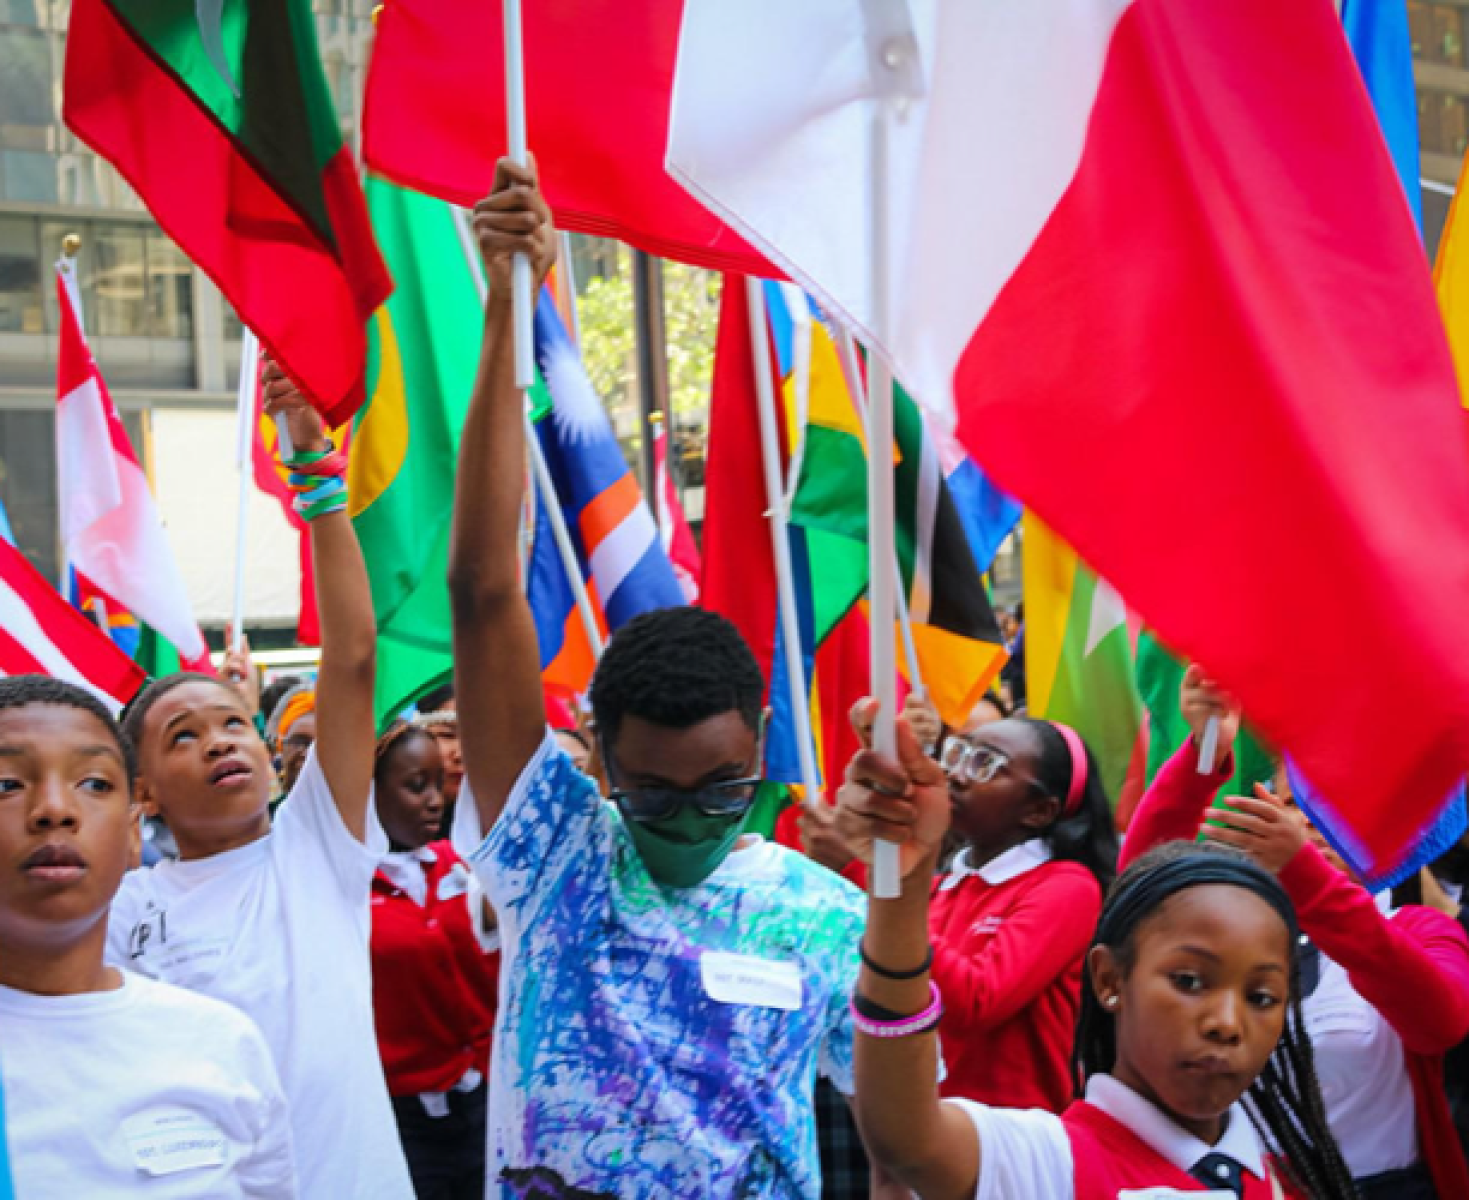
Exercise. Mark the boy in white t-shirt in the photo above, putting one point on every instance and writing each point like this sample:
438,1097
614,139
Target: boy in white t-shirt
115,1086
276,919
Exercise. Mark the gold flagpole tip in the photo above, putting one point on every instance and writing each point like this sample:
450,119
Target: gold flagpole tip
655,417
70,244
377,12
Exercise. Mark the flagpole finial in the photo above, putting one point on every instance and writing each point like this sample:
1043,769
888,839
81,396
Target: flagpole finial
656,417
377,12
70,244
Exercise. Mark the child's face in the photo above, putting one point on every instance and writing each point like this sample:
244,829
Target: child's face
204,768
67,824
410,794
1204,1005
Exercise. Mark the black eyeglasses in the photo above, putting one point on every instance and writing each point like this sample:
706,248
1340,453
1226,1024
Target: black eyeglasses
728,798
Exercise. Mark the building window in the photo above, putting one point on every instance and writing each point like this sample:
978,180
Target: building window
21,308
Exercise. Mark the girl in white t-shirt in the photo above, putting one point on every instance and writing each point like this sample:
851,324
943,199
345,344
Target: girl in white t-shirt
275,919
116,1086
1190,1000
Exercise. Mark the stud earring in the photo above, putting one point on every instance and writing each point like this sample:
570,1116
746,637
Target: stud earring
1111,1002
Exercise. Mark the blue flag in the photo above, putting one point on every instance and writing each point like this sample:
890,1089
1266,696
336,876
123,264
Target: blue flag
1378,33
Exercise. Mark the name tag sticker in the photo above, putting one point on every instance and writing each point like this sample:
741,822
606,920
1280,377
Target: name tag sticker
166,1141
745,979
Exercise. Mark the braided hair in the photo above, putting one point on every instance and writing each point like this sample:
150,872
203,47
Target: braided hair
1284,1102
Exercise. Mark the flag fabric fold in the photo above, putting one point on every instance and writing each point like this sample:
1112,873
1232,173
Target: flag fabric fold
598,74
673,526
40,633
240,158
1106,276
110,528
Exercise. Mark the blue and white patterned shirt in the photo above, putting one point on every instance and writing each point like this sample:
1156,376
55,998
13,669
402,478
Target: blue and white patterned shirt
614,1071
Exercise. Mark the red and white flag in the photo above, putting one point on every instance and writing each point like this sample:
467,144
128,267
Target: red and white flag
41,634
1153,259
109,525
673,526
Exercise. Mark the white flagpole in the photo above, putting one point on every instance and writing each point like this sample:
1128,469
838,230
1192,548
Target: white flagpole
893,55
775,496
540,471
521,282
852,373
1209,746
244,430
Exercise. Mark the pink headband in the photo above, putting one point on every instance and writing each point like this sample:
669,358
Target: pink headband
1078,768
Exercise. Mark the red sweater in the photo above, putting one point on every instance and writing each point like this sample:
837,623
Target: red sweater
1111,1160
1413,968
433,986
1008,962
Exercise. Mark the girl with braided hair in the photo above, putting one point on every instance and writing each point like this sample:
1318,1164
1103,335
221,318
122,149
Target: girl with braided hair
435,969
1190,1001
1386,991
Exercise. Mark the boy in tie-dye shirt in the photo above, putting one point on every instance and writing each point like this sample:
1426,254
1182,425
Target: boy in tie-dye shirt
671,986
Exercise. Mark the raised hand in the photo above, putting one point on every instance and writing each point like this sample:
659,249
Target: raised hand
514,219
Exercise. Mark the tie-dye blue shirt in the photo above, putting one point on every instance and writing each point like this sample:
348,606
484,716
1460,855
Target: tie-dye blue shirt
614,1071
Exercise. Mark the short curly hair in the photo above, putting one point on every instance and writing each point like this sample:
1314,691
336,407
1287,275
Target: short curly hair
21,691
136,713
676,667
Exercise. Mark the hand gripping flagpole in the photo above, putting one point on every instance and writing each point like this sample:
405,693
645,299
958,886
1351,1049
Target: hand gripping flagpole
540,470
778,513
521,282
893,51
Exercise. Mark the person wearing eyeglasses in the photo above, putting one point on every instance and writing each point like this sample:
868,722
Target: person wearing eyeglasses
1011,919
671,984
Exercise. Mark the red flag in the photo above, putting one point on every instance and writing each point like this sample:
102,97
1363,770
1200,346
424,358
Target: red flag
240,158
598,79
673,526
41,634
738,579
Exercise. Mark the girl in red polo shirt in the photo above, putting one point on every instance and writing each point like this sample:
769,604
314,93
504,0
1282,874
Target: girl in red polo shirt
1011,920
1191,1000
435,967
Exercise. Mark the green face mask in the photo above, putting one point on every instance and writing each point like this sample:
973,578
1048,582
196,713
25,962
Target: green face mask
683,850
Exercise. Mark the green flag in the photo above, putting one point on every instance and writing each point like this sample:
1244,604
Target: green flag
423,349
1159,676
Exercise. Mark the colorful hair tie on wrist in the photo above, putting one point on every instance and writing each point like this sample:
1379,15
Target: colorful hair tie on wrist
924,1022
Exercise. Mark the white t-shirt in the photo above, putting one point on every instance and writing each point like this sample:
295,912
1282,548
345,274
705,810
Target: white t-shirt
1376,1126
143,1091
280,929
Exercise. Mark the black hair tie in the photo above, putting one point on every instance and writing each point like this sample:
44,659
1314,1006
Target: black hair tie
897,976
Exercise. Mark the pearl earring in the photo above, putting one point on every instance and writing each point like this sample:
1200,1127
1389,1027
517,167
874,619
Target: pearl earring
1111,1001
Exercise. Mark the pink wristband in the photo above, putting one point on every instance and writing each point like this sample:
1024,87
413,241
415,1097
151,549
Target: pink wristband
906,1026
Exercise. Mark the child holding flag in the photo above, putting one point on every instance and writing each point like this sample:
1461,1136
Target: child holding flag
275,918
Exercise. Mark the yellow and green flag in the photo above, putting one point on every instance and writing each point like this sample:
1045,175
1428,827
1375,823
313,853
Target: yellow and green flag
1079,654
422,354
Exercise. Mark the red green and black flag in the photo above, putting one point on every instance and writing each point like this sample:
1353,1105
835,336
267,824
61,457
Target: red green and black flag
219,115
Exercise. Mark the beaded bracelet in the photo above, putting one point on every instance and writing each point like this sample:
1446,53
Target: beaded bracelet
924,1022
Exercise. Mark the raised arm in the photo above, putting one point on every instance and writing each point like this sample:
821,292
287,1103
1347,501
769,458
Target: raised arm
497,668
1173,804
927,1145
345,730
